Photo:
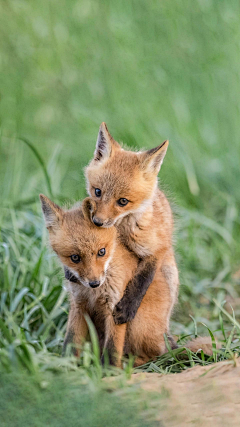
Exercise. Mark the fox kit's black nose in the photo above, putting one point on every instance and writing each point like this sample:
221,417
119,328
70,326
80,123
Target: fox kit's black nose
97,222
94,283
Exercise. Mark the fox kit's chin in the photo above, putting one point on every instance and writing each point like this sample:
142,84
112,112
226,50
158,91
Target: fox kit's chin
109,223
117,220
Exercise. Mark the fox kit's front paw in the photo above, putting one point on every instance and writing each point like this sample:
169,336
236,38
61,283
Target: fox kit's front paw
124,312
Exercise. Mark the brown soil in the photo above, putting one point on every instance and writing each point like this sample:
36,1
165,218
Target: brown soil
199,396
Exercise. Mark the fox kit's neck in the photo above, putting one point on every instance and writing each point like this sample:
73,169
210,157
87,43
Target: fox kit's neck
146,206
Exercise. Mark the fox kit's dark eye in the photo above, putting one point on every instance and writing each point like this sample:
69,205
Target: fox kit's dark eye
75,258
123,202
98,192
101,252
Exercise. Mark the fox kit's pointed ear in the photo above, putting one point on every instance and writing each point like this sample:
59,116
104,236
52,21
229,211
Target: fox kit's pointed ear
105,144
152,159
88,208
52,212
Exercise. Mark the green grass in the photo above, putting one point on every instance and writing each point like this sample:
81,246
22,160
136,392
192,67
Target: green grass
151,70
70,401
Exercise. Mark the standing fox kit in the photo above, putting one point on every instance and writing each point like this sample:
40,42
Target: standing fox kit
123,185
100,268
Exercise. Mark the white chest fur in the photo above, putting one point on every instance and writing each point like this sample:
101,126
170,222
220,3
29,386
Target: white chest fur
108,293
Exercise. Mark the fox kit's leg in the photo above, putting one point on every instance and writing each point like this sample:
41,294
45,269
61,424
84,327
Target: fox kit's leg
76,330
170,273
114,342
145,334
127,307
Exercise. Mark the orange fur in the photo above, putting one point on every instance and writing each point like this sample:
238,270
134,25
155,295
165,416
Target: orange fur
202,343
145,224
72,232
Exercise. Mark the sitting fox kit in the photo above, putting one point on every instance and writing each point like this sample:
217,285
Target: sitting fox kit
117,254
100,267
123,185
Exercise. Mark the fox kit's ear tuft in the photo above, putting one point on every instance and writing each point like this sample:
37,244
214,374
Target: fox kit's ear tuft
88,208
152,159
105,144
52,212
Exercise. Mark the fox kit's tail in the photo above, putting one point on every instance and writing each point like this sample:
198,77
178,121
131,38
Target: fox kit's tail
203,343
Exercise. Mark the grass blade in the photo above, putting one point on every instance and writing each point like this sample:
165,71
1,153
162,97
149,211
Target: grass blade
40,160
18,298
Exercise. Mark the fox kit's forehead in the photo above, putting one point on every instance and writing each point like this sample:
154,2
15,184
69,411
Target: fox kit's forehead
80,234
122,163
117,175
117,170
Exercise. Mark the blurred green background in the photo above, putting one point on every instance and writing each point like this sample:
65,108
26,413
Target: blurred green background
151,70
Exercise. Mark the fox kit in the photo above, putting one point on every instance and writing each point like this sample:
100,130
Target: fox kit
123,185
100,268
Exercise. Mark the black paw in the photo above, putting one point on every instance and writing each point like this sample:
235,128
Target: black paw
123,312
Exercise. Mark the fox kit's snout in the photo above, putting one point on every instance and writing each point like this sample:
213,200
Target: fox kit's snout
85,253
98,222
92,208
101,216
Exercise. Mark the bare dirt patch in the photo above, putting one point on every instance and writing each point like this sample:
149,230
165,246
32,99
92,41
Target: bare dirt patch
199,396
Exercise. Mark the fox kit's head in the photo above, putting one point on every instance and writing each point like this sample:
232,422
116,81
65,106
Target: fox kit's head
82,247
121,182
